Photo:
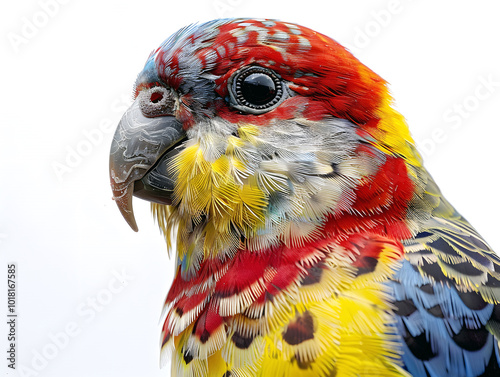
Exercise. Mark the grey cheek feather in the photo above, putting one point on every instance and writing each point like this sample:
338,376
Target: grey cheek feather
337,136
289,162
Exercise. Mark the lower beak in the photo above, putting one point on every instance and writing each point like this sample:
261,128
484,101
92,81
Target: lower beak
139,158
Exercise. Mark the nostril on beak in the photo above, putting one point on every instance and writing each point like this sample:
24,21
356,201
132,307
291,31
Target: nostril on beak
156,97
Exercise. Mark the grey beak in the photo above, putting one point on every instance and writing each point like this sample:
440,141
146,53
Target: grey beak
140,151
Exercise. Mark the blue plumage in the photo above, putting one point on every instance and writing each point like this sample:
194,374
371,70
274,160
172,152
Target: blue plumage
439,331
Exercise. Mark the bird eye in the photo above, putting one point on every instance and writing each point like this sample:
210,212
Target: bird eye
256,90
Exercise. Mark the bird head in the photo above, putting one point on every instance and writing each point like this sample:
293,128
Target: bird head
253,133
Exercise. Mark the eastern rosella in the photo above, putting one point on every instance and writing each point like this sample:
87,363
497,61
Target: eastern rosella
310,239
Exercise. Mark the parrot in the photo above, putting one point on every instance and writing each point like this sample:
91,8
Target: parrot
309,238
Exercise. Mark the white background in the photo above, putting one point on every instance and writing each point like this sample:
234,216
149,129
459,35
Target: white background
72,76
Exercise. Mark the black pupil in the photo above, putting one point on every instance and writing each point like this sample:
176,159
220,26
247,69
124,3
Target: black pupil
258,88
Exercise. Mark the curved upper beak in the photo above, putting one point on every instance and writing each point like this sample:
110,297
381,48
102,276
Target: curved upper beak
138,161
